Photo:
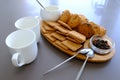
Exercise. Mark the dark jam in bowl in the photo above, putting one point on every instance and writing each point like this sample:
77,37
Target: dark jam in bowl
102,44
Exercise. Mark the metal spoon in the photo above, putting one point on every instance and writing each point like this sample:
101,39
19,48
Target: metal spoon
90,54
40,4
83,51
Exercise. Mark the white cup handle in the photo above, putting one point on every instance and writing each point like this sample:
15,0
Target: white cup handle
17,60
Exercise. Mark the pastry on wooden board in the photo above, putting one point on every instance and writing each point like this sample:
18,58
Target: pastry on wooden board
77,36
98,29
74,21
71,45
58,36
65,16
83,19
86,29
64,24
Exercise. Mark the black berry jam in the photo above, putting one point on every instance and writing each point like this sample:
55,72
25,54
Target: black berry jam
102,44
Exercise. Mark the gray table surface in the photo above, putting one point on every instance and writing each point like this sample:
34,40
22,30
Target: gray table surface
103,12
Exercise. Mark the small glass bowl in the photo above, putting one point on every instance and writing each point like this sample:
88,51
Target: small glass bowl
105,38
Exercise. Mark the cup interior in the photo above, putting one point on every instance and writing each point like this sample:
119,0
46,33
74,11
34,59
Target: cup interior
51,8
20,39
27,22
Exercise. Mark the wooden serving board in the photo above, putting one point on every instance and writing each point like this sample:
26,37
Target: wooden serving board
97,58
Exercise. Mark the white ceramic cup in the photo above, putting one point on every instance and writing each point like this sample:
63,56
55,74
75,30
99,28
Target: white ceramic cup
50,13
29,23
23,47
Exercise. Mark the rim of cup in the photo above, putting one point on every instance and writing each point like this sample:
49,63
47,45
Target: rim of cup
52,8
30,32
24,19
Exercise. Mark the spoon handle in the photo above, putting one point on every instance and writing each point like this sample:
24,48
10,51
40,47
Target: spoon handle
61,63
82,68
40,4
